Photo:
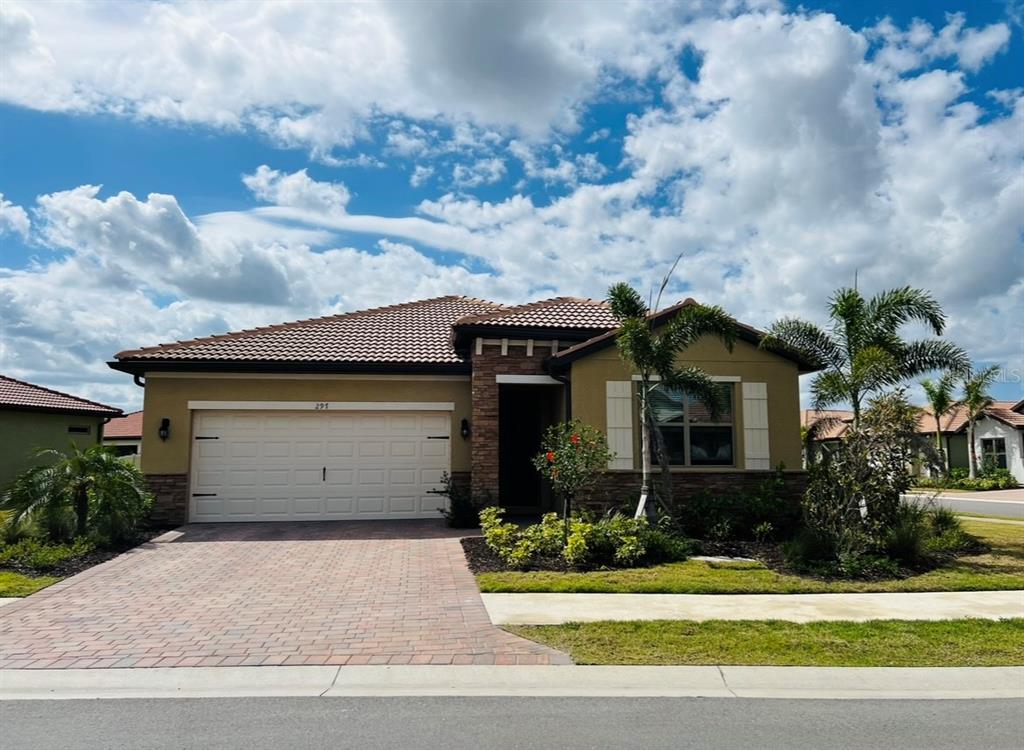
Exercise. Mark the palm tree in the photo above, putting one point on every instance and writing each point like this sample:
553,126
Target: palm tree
976,399
654,354
940,398
72,491
861,352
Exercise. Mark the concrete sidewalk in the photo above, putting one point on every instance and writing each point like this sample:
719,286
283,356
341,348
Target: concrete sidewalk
554,609
626,681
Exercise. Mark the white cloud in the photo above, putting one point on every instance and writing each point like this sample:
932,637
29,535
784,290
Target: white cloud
297,190
800,156
13,219
481,172
307,75
420,175
908,49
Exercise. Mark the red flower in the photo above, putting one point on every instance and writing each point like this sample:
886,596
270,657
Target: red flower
550,457
575,439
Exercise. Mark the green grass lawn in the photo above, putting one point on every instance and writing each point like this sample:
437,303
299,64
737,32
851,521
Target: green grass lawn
16,584
882,643
1000,569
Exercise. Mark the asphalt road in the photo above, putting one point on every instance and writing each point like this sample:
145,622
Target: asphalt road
500,723
978,506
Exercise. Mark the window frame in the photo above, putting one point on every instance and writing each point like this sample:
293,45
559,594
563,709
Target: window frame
79,429
728,385
995,454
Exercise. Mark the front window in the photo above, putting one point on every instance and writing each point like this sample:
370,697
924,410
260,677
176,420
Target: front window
692,437
993,453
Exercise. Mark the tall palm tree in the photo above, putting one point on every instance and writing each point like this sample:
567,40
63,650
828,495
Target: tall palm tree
654,355
976,399
74,491
861,352
940,398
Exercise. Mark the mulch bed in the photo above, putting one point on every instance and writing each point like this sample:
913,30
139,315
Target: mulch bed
481,559
77,564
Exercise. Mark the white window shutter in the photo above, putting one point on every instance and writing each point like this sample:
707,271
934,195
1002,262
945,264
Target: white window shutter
756,453
619,402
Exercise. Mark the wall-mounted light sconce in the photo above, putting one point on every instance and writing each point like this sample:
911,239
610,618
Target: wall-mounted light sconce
164,430
464,428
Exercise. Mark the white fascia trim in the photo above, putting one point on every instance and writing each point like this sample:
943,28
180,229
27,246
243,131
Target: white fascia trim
527,379
715,378
323,405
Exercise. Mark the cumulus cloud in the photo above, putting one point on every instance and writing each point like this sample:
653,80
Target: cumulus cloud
307,75
800,154
13,219
297,190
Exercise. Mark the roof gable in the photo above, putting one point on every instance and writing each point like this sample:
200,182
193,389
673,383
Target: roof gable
17,394
602,341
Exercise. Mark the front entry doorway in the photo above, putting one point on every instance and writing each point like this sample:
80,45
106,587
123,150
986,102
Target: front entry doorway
524,412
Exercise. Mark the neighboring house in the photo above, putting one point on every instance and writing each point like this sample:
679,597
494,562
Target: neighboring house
999,436
124,436
33,417
358,415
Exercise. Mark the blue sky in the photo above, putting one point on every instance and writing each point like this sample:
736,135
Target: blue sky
780,148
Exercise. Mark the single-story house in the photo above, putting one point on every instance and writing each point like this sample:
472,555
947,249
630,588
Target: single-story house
33,417
124,436
999,434
358,415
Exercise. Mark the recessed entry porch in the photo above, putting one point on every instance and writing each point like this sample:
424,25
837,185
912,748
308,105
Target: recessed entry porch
527,406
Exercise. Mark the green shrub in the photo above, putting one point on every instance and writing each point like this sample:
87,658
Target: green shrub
764,532
615,541
904,540
735,515
462,511
41,556
991,479
807,548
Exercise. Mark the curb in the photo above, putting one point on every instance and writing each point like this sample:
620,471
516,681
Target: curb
953,683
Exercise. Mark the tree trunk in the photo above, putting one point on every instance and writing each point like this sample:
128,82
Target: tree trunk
973,471
645,455
938,447
81,511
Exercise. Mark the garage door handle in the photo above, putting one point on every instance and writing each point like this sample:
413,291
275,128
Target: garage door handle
324,477
204,494
205,437
438,437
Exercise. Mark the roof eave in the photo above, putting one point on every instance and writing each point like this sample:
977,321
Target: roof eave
462,334
271,367
58,410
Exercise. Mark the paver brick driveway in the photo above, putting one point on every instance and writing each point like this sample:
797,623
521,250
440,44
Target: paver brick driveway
388,592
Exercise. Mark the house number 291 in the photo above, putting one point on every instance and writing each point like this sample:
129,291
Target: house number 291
321,405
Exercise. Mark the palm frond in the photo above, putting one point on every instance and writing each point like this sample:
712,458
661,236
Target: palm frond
805,339
697,383
918,357
626,302
828,389
893,308
696,321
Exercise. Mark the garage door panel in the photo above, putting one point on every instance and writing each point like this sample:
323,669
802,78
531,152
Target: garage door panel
280,466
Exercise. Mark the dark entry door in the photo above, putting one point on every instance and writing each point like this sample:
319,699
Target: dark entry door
524,412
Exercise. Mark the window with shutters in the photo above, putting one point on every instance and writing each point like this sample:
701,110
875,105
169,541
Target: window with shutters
691,436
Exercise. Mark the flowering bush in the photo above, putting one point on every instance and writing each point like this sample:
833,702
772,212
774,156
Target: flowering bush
573,455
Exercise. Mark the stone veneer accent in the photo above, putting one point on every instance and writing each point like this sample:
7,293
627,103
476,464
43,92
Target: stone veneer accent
171,503
487,365
623,487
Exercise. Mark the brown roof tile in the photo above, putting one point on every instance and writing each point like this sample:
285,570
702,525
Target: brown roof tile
123,428
834,422
559,312
955,420
413,332
17,394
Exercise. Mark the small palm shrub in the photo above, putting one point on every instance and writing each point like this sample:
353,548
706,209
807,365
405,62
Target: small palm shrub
80,493
462,511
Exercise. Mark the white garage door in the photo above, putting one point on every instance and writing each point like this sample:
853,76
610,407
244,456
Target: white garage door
294,466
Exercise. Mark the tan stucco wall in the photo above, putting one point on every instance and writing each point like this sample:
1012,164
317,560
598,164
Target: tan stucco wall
746,361
22,432
169,397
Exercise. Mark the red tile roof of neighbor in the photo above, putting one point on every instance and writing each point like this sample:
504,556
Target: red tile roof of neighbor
955,420
17,394
835,422
127,427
